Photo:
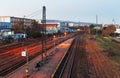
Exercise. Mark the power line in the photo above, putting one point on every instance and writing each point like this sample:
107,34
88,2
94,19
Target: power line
33,14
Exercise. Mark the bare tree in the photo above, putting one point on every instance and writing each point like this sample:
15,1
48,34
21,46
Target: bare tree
19,27
108,30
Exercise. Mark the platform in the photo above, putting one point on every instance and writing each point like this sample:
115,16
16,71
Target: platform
47,69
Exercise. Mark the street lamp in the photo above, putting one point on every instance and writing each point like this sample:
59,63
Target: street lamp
65,33
54,41
25,52
44,32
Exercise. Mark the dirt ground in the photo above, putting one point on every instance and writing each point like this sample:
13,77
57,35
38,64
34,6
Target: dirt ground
101,66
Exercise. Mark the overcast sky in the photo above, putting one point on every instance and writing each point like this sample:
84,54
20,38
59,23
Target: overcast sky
72,10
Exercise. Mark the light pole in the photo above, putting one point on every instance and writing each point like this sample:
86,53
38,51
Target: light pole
54,41
96,19
96,26
65,34
44,32
25,52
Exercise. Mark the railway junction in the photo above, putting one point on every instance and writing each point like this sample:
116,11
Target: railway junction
77,57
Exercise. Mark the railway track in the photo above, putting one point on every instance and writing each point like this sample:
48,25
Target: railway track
103,66
83,63
75,63
12,59
63,64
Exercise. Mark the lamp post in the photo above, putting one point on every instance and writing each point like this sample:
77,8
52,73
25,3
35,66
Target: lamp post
25,50
96,26
44,33
65,33
54,41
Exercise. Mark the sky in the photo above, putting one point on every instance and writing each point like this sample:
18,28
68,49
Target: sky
68,10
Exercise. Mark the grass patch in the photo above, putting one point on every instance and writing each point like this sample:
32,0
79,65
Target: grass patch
112,47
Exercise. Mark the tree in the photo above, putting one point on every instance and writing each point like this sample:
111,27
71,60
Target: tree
108,30
18,27
92,30
35,30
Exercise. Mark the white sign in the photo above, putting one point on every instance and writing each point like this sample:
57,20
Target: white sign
24,53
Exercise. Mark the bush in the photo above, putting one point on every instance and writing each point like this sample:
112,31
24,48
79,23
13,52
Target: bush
111,52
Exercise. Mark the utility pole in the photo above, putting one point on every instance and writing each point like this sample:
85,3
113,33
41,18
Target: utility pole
44,32
97,25
96,19
54,37
113,20
25,50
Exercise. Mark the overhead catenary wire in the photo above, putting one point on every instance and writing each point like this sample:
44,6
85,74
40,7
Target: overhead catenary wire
34,14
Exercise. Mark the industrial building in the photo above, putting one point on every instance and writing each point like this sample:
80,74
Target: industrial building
14,20
7,22
5,29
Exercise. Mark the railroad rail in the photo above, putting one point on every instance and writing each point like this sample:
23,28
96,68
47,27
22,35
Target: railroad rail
63,64
66,65
11,60
75,63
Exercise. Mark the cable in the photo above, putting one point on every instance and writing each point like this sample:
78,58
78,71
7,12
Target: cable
36,13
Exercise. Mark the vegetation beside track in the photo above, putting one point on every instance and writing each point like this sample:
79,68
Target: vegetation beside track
110,47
